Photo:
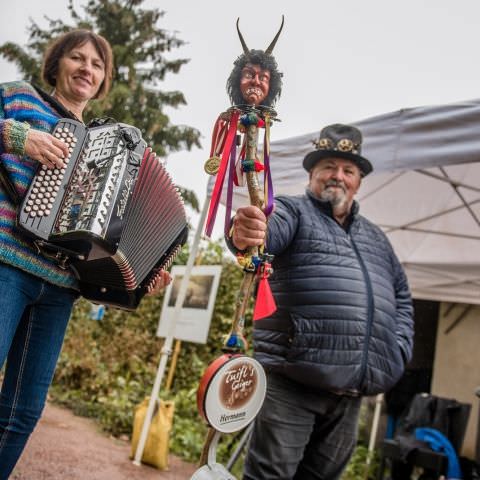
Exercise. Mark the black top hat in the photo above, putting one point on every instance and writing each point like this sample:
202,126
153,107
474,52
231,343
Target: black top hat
342,141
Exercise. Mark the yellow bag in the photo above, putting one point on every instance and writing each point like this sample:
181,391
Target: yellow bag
157,445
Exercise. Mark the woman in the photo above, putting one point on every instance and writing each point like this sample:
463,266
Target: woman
36,296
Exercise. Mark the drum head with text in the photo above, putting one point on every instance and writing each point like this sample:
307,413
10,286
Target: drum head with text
231,392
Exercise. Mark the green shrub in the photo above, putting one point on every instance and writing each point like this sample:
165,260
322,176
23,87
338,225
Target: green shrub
357,467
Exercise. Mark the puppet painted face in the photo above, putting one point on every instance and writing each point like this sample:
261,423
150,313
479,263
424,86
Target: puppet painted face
254,84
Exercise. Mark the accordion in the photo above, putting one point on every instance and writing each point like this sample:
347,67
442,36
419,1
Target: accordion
112,214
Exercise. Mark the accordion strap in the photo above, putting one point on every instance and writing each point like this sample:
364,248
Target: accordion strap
55,104
8,185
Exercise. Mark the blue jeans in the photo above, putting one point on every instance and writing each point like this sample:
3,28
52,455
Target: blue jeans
301,434
33,319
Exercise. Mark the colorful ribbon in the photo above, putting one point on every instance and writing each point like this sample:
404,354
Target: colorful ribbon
217,189
231,175
267,182
265,303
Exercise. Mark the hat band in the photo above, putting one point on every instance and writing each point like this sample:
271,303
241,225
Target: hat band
343,145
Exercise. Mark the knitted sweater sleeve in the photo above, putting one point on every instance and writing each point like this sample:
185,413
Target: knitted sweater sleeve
13,133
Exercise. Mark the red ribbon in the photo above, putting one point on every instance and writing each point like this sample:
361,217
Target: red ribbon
217,189
216,129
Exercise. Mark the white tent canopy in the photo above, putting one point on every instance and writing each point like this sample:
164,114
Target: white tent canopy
424,192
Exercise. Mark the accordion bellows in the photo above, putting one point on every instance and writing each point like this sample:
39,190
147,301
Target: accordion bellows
112,213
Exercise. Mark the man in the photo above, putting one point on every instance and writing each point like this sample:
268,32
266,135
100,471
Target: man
343,327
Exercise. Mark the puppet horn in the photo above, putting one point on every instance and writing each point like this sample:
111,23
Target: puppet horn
269,50
242,41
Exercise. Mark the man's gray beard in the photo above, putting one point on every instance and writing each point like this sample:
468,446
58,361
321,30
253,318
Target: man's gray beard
337,200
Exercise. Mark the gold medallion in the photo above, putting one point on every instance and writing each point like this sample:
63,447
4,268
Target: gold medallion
324,144
212,165
345,145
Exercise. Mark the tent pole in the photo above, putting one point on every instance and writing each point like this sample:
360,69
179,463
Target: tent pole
167,345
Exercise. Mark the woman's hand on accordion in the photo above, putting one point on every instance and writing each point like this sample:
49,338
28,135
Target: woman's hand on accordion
162,279
45,148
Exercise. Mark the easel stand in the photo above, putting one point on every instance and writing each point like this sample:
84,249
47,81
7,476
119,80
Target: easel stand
212,470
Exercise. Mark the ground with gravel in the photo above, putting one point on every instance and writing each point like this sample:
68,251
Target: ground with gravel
67,447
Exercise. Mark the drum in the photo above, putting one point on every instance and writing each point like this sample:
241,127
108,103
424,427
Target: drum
231,392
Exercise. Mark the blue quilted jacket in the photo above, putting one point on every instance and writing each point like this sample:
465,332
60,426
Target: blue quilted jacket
344,319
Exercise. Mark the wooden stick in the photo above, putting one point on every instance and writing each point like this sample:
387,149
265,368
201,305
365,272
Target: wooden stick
173,365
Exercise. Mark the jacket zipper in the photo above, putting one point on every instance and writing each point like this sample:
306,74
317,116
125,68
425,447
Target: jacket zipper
366,276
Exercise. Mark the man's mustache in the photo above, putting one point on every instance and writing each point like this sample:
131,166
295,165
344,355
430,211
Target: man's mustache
335,183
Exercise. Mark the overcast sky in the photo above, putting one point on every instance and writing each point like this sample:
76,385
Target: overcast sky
342,60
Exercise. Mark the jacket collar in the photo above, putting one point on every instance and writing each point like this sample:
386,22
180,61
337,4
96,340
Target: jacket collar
326,207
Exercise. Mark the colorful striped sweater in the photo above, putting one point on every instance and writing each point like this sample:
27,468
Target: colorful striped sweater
22,108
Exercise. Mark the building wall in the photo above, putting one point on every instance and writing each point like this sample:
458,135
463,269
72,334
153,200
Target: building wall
456,371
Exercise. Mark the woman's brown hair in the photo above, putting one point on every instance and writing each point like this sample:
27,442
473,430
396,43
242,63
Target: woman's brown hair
67,42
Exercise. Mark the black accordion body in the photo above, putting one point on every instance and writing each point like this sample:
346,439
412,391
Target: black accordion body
112,214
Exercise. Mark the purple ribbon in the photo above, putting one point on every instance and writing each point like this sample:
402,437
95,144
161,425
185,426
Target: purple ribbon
268,178
231,173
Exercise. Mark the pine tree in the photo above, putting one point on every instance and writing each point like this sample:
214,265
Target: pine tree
140,49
